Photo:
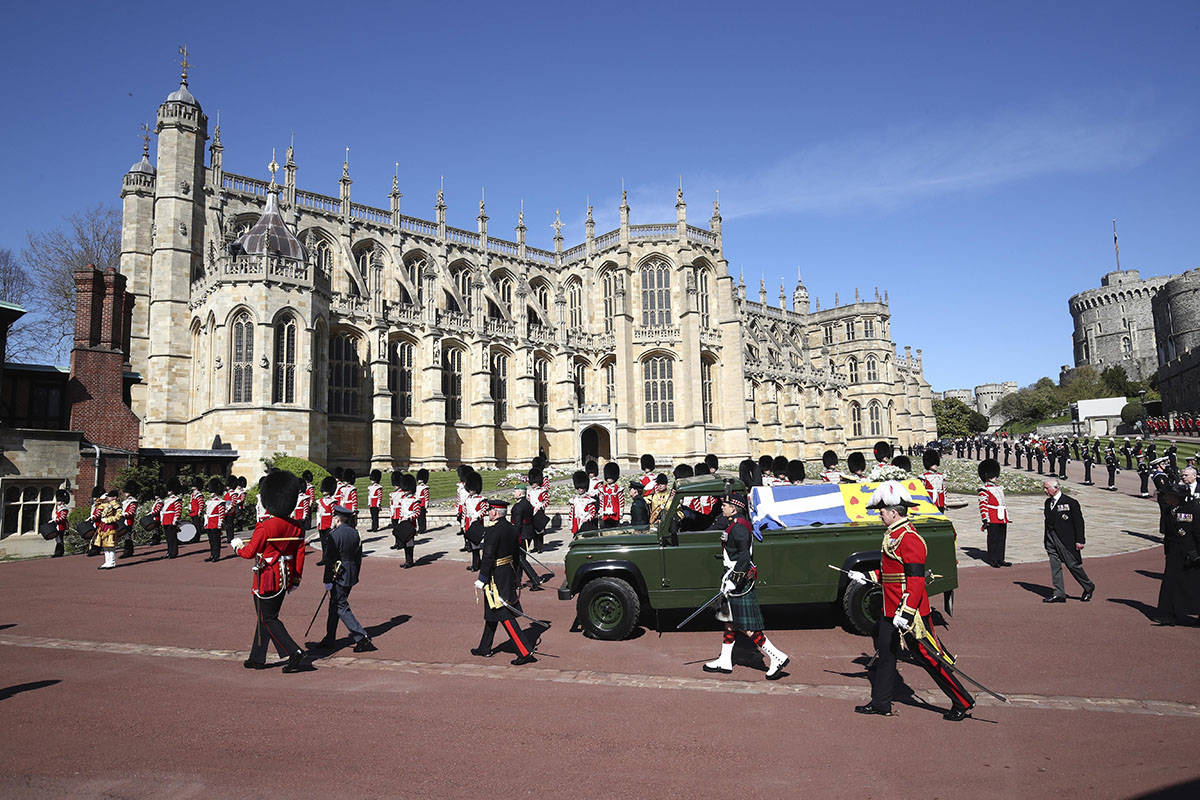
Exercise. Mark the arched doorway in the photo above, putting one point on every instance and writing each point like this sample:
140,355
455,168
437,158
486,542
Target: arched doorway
594,443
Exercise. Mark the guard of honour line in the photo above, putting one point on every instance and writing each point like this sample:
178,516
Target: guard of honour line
503,541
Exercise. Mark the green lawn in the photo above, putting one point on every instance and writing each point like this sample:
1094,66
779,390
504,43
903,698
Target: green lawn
441,484
1188,447
1018,428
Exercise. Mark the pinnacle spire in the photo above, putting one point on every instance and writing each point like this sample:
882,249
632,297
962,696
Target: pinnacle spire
183,65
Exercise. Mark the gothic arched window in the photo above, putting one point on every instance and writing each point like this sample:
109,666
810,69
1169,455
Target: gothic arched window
706,389
575,304
656,293
872,370
852,366
849,330
869,328
499,386
659,389
856,419
876,414
284,385
580,379
241,359
452,382
541,389
400,378
345,375
702,297
608,283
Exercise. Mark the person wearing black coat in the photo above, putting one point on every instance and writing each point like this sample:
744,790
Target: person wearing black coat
1087,467
521,517
1179,594
1110,462
1064,541
498,582
343,563
639,511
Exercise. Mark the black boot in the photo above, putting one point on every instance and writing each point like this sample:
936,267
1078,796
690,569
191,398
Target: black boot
155,540
296,663
408,557
58,550
127,549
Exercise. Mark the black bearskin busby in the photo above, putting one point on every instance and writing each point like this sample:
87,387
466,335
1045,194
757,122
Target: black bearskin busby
712,463
98,491
903,462
338,472
474,482
748,473
612,471
328,485
647,462
396,478
307,475
132,489
376,475
795,471
215,486
408,483
856,462
779,466
765,464
702,468
278,492
883,451
242,482
174,486
62,496
198,483
591,468
349,477
683,471
580,479
423,475
463,471
989,469
931,458
829,459
535,477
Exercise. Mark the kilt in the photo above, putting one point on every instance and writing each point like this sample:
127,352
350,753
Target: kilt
742,612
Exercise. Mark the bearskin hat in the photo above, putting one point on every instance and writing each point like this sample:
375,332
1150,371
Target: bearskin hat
712,462
903,462
795,471
535,476
749,474
132,489
931,458
174,486
98,491
612,471
779,466
376,475
349,477
278,492
701,468
198,482
829,459
328,485
396,476
307,475
423,475
765,464
474,482
408,483
463,471
62,496
683,471
215,485
242,481
883,451
338,472
591,467
856,461
647,462
580,479
989,469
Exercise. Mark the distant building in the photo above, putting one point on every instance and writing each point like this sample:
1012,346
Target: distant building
1176,310
982,398
1114,324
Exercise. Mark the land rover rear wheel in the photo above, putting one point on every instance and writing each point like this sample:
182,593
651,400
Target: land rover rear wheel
608,608
863,605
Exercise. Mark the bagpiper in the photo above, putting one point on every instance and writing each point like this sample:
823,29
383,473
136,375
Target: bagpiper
277,548
906,608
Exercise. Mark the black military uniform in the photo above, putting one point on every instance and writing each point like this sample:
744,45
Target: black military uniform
1110,461
1063,454
639,510
1087,467
1018,449
1179,595
1064,532
1007,451
1039,452
498,581
1144,473
1052,456
1096,451
342,568
521,517
1151,452
1127,451
1173,457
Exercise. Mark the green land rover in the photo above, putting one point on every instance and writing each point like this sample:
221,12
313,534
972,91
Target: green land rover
617,574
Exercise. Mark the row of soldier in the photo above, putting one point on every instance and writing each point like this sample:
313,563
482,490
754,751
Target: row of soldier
1182,424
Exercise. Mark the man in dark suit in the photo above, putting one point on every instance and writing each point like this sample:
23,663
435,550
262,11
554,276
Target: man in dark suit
498,582
521,517
342,567
1064,541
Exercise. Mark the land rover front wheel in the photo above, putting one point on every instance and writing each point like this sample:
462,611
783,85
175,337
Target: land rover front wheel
607,608
863,605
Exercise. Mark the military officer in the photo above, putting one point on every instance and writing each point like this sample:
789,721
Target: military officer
1179,595
498,581
1018,449
1007,450
1110,462
1040,455
1127,451
906,608
1064,542
342,570
1144,474
1087,467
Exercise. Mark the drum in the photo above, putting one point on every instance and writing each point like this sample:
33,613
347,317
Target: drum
149,522
48,530
86,528
187,533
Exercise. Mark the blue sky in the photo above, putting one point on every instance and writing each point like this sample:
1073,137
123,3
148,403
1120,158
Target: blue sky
968,159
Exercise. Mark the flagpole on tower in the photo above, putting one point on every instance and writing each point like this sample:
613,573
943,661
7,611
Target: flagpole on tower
1116,248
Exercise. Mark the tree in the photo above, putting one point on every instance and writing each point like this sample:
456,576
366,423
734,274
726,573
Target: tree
1116,381
953,417
1132,412
92,236
16,288
976,422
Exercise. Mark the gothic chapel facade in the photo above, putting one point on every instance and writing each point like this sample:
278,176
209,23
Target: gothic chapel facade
274,319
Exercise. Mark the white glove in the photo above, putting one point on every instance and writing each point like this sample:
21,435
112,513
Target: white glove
236,543
857,577
727,587
900,622
478,584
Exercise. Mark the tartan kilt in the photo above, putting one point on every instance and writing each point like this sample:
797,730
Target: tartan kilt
742,612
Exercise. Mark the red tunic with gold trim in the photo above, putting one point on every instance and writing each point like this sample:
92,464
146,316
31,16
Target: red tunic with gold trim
278,549
902,570
610,501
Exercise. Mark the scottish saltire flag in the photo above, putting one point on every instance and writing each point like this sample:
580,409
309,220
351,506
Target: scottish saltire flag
826,504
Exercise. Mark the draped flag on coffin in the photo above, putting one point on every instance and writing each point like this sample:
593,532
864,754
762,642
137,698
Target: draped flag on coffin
827,504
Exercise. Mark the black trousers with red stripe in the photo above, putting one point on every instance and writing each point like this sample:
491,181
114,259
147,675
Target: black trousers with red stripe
511,627
268,628
883,679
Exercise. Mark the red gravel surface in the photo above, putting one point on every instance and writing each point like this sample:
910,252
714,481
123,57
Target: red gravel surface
1104,704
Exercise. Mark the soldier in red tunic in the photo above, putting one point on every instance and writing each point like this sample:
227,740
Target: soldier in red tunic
610,497
277,548
905,607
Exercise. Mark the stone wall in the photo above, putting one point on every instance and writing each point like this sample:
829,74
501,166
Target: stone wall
1114,323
